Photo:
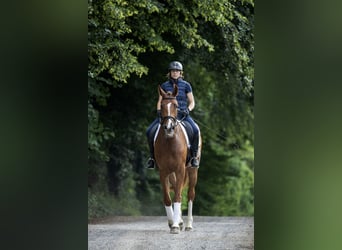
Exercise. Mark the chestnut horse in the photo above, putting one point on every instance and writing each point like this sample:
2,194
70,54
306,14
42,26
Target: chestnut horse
171,148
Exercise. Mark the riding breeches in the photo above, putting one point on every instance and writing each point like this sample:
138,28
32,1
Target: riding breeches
195,139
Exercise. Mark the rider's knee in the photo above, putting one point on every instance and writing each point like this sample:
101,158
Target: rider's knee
195,129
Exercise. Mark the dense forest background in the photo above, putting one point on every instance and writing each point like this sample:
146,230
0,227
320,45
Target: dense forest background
130,44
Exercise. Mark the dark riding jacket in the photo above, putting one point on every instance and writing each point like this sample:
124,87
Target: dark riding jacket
183,89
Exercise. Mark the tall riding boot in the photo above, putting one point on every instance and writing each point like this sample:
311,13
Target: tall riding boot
150,162
194,151
150,138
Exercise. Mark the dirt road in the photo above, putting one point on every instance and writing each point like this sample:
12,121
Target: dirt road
153,233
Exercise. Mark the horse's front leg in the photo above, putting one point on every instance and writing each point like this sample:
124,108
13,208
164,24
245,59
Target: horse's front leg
177,216
167,198
192,172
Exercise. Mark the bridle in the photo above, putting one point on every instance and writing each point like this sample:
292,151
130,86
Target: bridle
169,117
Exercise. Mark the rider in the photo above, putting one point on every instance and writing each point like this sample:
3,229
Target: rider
186,103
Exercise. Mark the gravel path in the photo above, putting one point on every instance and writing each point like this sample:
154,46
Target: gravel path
153,233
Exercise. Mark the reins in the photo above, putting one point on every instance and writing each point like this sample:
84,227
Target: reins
169,117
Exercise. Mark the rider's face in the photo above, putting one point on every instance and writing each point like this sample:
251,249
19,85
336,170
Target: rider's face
175,74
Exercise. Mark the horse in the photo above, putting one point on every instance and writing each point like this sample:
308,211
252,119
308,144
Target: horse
171,148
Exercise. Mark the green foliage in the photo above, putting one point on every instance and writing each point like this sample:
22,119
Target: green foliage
130,44
102,204
97,134
226,183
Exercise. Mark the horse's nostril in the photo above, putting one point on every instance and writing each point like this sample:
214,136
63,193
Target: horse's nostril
165,127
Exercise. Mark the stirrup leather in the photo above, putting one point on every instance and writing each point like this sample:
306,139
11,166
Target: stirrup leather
150,163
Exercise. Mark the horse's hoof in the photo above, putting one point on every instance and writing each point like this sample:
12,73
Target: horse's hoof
181,226
174,230
188,229
170,223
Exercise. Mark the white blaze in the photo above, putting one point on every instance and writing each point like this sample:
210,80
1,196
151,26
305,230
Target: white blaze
169,114
169,109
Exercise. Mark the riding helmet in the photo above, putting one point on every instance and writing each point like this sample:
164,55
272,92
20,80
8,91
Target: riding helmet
176,65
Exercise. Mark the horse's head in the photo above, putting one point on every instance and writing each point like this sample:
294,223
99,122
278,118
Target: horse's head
169,107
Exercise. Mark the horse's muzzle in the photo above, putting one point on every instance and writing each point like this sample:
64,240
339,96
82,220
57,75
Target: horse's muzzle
169,126
169,130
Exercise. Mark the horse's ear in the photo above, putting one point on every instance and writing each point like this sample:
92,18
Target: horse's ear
175,90
161,91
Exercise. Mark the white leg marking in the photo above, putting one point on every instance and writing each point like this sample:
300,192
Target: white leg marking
177,214
190,219
169,212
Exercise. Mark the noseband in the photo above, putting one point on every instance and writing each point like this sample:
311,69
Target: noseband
174,120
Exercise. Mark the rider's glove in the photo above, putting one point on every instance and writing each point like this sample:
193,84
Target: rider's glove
186,112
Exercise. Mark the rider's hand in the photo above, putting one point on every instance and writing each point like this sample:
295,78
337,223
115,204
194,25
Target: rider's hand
187,111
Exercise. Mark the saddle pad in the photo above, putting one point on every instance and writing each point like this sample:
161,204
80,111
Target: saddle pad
184,132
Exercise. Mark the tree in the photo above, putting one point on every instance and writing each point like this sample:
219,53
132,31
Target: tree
126,40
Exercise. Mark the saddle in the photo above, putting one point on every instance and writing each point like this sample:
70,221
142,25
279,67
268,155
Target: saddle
189,133
186,126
